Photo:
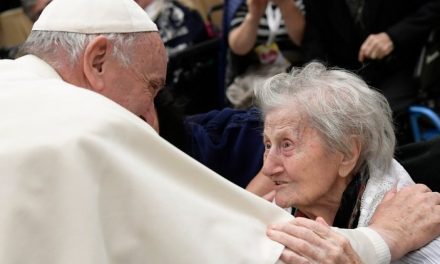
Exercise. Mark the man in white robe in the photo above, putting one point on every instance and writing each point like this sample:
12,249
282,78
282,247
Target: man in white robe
84,179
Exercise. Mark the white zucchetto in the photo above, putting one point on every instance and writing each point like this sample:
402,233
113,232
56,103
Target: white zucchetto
94,16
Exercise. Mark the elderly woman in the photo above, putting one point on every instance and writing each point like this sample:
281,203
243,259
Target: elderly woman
329,144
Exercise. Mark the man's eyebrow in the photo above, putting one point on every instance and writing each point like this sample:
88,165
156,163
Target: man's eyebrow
157,84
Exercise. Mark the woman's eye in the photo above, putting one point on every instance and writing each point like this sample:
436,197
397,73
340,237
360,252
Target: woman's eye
286,144
267,145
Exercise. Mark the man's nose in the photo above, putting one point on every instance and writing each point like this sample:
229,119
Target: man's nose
151,117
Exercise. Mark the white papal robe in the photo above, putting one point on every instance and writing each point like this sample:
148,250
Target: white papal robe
82,180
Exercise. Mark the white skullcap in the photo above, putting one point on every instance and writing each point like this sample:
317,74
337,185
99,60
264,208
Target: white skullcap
94,16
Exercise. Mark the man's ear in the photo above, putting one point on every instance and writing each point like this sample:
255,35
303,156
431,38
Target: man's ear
350,160
96,57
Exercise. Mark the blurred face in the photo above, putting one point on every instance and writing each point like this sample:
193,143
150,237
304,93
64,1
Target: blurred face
135,86
144,3
36,10
297,160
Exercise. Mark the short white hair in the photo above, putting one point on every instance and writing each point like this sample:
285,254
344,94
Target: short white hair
337,104
46,44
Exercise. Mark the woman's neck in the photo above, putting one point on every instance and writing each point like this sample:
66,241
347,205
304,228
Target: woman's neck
328,212
327,207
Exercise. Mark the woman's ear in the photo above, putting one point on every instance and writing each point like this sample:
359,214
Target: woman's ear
96,57
350,160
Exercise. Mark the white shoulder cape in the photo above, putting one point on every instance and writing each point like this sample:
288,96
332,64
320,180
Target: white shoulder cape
85,181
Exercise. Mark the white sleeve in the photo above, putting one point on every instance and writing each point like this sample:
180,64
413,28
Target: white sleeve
368,244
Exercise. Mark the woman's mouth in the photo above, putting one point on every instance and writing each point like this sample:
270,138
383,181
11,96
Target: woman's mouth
279,182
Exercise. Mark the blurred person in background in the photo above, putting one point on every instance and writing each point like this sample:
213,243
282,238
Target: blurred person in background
180,27
14,27
33,8
380,40
264,39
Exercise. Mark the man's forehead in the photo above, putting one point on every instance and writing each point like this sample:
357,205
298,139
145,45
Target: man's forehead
151,46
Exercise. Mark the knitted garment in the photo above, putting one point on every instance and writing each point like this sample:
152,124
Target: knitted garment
379,183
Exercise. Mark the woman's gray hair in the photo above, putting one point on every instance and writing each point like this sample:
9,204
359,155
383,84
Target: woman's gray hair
47,45
338,104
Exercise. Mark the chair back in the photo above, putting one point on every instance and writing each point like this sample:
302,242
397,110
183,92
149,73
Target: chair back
421,160
425,123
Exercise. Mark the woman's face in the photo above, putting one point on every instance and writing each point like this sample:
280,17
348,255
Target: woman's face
305,172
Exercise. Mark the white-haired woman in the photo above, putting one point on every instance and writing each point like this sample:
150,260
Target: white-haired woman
329,144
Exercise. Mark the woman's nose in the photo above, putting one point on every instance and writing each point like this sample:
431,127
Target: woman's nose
272,164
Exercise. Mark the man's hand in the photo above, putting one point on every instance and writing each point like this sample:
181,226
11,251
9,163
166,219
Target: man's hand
376,47
408,219
309,241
